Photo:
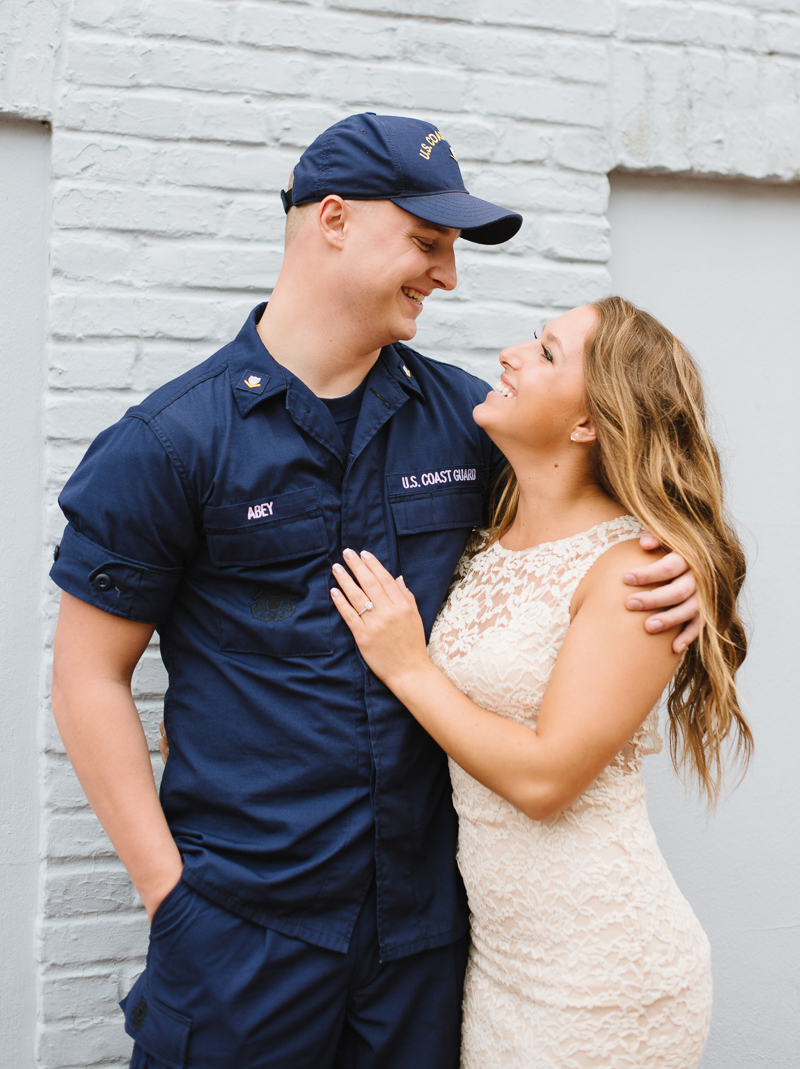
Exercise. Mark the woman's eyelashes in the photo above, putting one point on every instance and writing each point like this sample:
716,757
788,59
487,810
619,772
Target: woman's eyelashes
545,352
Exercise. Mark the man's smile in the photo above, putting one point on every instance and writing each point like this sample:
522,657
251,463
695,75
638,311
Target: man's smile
416,295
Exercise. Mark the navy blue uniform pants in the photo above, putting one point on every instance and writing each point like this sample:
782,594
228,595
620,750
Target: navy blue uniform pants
220,992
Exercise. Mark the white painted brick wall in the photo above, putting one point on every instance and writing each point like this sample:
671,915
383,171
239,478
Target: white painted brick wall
174,126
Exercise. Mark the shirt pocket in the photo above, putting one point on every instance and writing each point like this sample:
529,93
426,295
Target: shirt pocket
432,530
272,569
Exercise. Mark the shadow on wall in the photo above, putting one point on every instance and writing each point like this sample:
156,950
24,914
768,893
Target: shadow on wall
24,226
719,263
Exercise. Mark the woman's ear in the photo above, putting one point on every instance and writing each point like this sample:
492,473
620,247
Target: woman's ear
583,432
331,217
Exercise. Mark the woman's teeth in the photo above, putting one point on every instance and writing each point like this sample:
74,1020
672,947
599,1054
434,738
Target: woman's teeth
506,391
415,295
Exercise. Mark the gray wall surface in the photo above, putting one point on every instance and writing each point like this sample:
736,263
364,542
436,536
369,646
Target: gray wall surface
24,219
719,263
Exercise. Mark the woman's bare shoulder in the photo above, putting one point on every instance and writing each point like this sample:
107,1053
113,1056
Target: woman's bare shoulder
605,578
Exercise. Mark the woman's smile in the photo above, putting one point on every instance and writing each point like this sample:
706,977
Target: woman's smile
505,389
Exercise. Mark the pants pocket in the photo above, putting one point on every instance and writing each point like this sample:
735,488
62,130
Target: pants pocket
161,917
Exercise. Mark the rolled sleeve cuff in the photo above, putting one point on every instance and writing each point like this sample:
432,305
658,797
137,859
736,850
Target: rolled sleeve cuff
115,584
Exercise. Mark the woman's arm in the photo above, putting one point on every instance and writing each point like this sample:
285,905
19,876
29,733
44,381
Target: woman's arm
608,675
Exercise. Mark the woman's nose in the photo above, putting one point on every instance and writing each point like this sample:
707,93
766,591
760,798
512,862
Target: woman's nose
510,357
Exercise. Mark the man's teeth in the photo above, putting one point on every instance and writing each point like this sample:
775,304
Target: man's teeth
415,295
501,388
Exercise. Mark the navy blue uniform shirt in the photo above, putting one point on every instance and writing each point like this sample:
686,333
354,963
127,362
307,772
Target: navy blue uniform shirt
215,510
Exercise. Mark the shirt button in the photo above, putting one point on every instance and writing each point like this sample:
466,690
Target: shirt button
56,552
102,581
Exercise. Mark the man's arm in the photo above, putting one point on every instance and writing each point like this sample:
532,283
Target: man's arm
94,658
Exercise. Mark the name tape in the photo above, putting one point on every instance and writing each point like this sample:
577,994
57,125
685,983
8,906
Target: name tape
419,480
258,512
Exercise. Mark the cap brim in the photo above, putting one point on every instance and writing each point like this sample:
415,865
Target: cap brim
478,220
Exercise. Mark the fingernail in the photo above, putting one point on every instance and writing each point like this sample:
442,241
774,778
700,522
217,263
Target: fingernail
338,568
365,553
629,578
348,554
634,603
655,625
335,593
401,580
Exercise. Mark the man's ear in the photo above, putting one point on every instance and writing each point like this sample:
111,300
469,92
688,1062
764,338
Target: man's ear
583,432
331,218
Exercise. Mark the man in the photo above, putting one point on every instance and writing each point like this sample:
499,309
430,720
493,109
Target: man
305,903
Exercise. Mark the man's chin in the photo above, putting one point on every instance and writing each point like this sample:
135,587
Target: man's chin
400,330
408,330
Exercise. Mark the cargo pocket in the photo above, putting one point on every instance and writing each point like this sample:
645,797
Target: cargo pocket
161,1031
272,569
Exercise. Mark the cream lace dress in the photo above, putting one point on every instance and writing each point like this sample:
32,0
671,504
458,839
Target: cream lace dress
584,952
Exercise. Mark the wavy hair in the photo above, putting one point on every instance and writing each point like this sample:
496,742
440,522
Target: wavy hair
655,457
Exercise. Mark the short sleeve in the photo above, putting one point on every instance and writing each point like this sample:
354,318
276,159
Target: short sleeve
131,529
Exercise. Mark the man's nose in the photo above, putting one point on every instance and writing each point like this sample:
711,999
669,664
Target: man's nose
444,273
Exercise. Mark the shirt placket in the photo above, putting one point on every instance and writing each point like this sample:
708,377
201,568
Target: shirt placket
365,526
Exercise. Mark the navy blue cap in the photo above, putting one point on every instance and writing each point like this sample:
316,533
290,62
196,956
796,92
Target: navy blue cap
406,161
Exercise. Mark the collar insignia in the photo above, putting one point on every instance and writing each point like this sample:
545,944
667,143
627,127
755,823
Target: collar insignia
251,383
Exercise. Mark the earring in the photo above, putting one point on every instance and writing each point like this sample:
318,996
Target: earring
573,437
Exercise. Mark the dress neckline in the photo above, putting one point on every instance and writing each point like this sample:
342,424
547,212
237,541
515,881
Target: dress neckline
625,520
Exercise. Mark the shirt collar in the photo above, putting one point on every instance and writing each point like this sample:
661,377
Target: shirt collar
400,362
255,375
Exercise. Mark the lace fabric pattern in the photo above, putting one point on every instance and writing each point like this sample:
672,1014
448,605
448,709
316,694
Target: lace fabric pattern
584,952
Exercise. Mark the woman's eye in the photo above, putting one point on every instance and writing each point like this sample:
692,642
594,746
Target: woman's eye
426,246
548,355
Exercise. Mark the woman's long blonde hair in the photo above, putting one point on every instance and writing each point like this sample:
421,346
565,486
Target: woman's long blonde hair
655,457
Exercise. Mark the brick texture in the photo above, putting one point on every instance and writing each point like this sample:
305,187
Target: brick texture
175,124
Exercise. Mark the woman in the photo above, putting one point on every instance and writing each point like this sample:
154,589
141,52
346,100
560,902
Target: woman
543,690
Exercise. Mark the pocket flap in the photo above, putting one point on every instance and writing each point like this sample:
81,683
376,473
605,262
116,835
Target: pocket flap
159,1030
281,527
438,510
